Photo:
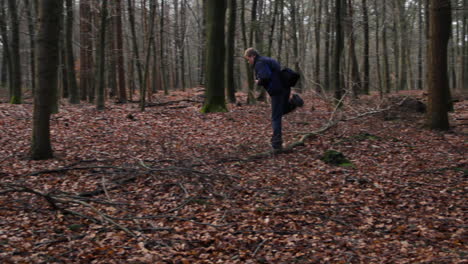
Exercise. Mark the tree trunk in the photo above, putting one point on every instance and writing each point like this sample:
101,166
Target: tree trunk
248,69
231,39
162,56
16,81
318,25
100,98
69,58
326,68
136,52
465,49
439,34
366,71
215,51
7,64
419,84
272,27
386,63
294,33
50,12
356,84
120,52
339,46
403,42
148,53
86,50
31,17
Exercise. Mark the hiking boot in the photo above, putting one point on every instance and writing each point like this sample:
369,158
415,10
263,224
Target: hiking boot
276,143
297,100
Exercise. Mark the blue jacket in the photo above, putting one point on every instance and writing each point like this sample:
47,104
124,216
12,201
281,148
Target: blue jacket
267,72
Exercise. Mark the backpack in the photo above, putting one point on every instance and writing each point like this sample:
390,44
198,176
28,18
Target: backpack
289,77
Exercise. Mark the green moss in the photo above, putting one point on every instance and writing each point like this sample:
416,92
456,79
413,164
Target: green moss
336,158
213,108
15,100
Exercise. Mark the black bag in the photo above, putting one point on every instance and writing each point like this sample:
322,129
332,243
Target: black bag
289,77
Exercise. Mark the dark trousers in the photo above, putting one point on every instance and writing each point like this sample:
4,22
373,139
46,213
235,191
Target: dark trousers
280,106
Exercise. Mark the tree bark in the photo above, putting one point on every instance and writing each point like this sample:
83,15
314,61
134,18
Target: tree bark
318,25
339,46
30,18
231,41
6,64
70,59
136,51
215,51
50,12
120,52
148,53
100,98
86,50
16,75
439,34
366,70
386,63
248,69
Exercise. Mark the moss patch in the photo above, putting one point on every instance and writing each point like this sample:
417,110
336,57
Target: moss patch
336,158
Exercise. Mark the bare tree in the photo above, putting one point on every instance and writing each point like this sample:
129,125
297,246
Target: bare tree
439,34
48,36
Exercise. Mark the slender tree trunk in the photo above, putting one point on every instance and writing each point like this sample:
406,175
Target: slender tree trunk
31,17
69,58
7,65
339,46
439,34
182,33
136,52
248,69
281,32
318,40
112,55
419,84
230,85
366,71
86,50
47,63
386,63
120,52
215,51
465,49
272,27
326,69
148,53
16,81
162,49
356,84
63,76
294,11
100,98
201,50
403,45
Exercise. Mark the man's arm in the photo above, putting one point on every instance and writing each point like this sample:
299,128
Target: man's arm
263,73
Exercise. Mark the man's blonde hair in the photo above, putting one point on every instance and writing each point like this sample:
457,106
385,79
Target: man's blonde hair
250,52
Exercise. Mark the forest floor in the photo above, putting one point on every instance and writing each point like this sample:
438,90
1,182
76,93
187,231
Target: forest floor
171,185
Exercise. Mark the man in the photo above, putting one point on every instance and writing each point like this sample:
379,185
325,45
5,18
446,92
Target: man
268,75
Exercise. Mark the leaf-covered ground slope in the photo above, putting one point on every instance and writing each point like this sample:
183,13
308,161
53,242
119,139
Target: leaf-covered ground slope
171,185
